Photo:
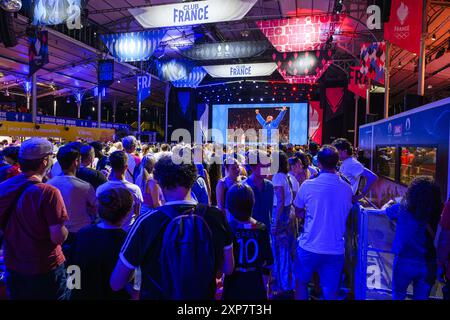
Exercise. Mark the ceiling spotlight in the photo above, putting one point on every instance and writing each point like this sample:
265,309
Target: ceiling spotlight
338,7
7,92
430,86
118,81
261,99
251,99
399,64
433,37
240,99
245,33
93,109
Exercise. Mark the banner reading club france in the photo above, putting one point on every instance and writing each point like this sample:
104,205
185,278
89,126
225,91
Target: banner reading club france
192,13
143,87
241,70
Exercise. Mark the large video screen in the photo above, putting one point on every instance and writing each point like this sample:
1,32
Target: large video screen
292,127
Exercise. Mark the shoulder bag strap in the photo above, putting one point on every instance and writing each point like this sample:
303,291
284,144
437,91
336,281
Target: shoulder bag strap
13,204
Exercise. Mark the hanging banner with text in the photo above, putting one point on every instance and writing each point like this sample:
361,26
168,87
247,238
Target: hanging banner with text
70,133
404,28
192,13
315,122
144,83
133,46
373,59
226,50
304,33
358,83
241,70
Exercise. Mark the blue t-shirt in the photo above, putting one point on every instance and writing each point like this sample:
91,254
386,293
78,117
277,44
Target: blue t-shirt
262,210
412,238
200,191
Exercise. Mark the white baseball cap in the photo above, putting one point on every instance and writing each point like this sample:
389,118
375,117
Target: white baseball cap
35,148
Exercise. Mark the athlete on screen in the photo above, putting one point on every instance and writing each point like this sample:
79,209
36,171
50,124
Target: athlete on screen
269,124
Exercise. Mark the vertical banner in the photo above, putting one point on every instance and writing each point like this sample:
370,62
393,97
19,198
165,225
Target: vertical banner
38,50
143,87
315,122
404,28
105,73
373,59
358,82
334,98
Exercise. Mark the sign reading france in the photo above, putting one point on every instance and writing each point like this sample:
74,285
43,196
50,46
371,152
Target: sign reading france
143,87
191,12
199,12
241,70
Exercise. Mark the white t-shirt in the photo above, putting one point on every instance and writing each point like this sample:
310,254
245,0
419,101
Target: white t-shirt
352,170
131,165
313,170
280,180
327,200
137,197
79,198
295,184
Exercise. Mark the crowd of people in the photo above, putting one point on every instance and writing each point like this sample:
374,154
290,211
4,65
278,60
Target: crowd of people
221,224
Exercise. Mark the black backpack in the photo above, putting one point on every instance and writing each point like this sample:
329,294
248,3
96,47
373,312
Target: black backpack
187,255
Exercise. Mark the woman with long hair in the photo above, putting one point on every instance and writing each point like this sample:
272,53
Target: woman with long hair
282,282
417,217
151,191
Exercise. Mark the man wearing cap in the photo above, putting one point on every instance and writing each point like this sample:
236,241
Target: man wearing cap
32,216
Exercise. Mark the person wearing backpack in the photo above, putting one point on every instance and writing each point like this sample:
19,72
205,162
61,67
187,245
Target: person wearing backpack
180,247
253,252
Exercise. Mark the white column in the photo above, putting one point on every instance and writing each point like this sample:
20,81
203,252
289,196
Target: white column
421,82
368,100
79,110
139,118
355,134
387,82
99,108
166,128
33,98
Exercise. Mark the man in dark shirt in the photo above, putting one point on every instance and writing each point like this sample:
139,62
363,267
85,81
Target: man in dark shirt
253,251
86,172
96,248
142,248
262,188
103,160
